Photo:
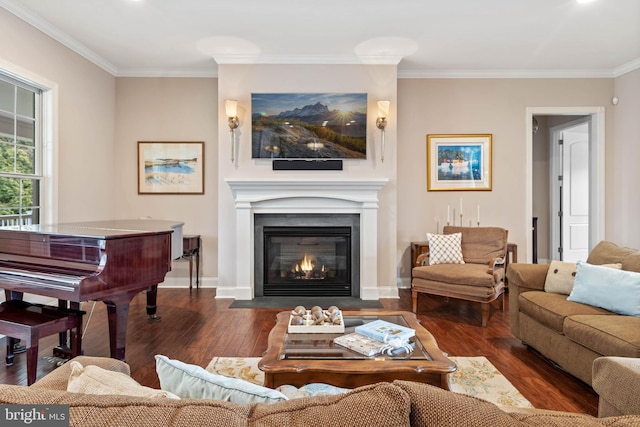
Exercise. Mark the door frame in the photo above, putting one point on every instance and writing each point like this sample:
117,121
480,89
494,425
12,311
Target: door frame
596,169
555,166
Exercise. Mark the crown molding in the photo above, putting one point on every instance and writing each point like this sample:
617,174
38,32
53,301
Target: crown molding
37,22
503,74
626,68
157,72
347,59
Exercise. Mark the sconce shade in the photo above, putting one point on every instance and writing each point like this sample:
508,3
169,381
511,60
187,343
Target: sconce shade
383,108
231,107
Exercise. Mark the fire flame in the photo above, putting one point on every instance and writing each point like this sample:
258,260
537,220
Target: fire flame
306,264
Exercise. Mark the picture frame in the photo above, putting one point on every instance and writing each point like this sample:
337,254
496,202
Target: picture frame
459,162
170,167
309,126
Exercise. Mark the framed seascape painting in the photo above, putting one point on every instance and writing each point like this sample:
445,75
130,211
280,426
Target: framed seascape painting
170,168
309,125
459,162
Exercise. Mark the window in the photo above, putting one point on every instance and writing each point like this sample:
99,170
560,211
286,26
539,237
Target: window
21,175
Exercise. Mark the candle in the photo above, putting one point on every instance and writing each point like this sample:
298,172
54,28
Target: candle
448,214
460,205
478,213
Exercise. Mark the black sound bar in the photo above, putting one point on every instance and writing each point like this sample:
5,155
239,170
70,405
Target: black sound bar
303,165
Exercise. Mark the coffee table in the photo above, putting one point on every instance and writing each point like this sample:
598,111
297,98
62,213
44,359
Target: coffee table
302,358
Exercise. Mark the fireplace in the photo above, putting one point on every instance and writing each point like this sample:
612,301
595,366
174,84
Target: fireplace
335,197
307,254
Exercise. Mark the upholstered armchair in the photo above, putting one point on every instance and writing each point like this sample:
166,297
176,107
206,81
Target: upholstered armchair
473,269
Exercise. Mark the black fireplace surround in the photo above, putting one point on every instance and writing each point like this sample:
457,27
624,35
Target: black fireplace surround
307,255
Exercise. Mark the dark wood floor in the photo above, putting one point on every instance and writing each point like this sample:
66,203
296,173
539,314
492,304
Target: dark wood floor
196,327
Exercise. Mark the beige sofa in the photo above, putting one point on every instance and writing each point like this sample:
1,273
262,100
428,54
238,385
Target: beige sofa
571,334
401,403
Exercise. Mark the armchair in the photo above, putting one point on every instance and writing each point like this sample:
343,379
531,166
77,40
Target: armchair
480,278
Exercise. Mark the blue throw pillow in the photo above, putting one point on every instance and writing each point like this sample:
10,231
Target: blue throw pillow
614,290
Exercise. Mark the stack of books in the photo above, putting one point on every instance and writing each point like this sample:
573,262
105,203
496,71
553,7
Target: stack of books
370,338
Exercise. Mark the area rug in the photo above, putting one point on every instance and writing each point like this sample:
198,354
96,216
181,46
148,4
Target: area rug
476,377
287,303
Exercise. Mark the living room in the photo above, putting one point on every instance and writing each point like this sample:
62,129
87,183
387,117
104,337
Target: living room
101,114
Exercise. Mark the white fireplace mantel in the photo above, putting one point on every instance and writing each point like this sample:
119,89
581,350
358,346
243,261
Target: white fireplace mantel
309,195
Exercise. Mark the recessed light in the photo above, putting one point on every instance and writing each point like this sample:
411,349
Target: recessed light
585,1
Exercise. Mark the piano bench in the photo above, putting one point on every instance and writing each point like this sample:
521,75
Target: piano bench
21,320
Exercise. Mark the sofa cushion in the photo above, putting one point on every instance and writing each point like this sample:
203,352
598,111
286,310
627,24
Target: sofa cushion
445,249
480,245
608,253
614,290
112,410
552,309
606,335
381,404
59,377
95,380
191,381
433,406
464,274
560,277
562,274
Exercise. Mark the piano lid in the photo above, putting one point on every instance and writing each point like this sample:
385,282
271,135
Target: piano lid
104,229
110,229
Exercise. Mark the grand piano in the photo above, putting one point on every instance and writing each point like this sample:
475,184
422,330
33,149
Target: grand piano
109,261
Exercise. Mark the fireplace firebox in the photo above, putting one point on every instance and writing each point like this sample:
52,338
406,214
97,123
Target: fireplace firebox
307,255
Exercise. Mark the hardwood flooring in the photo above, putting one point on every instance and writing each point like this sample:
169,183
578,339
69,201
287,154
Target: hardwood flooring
196,327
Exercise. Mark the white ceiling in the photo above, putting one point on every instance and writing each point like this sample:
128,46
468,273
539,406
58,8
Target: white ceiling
429,38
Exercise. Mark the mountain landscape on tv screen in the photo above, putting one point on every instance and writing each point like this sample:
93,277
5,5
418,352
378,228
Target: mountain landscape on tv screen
313,130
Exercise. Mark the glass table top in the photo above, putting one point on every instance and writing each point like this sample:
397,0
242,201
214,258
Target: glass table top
321,346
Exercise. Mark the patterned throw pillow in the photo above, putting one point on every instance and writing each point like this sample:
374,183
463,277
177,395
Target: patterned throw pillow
445,248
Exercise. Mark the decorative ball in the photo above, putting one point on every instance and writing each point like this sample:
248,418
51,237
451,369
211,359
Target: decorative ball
299,311
297,320
333,309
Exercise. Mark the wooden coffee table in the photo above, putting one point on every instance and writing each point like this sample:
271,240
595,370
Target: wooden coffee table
300,359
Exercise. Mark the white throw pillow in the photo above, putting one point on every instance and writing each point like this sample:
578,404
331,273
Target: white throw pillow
445,248
191,381
561,275
614,290
95,380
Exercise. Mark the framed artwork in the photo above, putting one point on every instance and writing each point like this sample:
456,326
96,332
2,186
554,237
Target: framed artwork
459,162
170,167
309,125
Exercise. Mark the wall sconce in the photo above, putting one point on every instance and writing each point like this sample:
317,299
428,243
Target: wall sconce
231,107
381,121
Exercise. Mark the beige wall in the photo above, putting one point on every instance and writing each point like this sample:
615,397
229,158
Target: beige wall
101,118
239,81
85,123
496,106
623,164
169,109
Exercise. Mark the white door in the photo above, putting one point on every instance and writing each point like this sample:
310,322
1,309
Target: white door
570,206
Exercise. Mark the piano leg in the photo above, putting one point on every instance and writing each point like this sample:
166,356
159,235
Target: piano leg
118,314
152,306
63,350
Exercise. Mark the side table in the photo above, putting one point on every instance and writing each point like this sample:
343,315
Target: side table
190,250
